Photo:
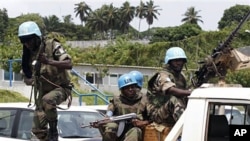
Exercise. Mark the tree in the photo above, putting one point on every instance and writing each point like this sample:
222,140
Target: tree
140,13
82,10
150,13
233,15
126,13
191,16
3,23
172,34
111,17
96,21
68,19
52,23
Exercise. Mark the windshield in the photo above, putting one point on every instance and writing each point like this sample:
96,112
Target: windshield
70,122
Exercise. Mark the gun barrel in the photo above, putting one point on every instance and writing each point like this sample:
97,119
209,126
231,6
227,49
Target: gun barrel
112,119
123,117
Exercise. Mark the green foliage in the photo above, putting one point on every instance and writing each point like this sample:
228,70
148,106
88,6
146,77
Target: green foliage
239,77
11,49
233,15
197,44
4,20
177,33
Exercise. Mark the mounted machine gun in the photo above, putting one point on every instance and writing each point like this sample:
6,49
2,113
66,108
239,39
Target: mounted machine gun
223,57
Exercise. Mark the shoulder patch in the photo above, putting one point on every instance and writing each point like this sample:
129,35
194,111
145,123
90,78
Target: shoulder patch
168,79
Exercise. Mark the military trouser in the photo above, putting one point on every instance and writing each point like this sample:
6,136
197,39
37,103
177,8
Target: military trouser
178,106
169,112
110,130
46,113
131,134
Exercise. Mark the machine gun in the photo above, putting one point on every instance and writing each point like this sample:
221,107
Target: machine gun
222,58
125,117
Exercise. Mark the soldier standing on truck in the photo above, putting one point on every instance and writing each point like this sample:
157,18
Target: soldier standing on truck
167,91
129,101
45,66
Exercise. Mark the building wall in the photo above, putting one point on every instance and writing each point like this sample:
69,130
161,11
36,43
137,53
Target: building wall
101,43
108,82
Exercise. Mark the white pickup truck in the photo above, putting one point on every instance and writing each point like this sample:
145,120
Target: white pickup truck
209,113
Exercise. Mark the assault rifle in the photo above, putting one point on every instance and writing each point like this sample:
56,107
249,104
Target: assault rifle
125,117
223,57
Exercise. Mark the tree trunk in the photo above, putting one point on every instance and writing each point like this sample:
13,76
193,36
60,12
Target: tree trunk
148,30
139,29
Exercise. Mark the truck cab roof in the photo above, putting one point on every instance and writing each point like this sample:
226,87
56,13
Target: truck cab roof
238,93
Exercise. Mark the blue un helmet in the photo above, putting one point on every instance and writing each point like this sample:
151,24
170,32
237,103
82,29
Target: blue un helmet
138,77
126,80
175,53
28,28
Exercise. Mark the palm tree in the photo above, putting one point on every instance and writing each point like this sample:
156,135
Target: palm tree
140,12
191,16
83,10
96,22
151,11
111,17
127,13
52,23
67,19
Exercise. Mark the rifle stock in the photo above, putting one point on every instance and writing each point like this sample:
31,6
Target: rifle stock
217,63
125,117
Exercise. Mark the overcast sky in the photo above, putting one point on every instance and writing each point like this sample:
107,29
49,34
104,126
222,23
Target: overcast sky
171,14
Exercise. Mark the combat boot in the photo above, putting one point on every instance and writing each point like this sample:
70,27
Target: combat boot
53,132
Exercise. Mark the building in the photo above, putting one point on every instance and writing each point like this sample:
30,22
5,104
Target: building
89,75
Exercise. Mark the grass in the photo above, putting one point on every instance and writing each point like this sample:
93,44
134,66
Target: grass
89,100
11,96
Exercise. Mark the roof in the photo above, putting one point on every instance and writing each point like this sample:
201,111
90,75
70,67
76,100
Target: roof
25,106
221,93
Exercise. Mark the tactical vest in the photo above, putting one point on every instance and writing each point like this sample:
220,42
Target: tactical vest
121,108
52,74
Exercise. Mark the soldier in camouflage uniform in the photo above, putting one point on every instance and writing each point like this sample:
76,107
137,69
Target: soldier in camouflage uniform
44,65
167,90
129,101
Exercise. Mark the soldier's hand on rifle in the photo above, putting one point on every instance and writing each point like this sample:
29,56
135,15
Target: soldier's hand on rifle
43,58
28,81
99,123
140,123
94,124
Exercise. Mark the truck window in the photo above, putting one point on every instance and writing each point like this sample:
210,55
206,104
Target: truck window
235,114
218,128
222,115
7,117
25,125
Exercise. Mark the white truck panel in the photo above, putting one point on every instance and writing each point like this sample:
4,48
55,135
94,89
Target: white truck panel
194,120
193,125
177,129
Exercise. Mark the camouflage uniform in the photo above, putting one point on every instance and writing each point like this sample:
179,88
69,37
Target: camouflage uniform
53,86
165,109
122,105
